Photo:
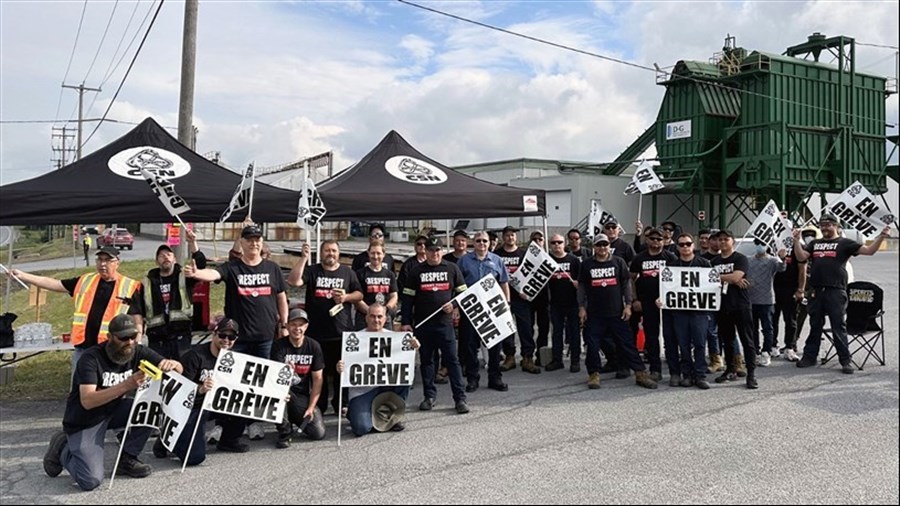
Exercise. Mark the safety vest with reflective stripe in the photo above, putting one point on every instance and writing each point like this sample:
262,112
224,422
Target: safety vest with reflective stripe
185,314
84,293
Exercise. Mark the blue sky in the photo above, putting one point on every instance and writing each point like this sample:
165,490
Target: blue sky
277,81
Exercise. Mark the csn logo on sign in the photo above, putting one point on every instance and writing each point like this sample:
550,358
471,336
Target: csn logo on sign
413,170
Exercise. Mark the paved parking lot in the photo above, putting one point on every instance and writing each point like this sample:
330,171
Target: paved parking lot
806,436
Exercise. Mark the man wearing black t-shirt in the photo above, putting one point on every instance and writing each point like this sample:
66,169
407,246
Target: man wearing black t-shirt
645,271
429,290
362,259
604,307
331,291
563,288
304,355
828,283
735,312
97,402
199,365
254,294
512,255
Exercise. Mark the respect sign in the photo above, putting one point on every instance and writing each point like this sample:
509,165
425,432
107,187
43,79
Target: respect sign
374,359
249,387
690,288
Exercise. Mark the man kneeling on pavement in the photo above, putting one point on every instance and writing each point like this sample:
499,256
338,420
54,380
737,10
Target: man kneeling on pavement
97,402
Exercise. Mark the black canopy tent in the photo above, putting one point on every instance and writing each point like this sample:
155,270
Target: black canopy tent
107,186
395,181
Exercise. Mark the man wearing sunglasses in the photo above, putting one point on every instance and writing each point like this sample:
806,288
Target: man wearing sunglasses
576,247
512,255
376,236
645,272
199,364
563,288
97,402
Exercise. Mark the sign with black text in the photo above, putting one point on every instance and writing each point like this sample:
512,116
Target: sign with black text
484,304
857,209
644,181
533,273
374,359
164,404
165,191
597,219
249,387
690,288
772,228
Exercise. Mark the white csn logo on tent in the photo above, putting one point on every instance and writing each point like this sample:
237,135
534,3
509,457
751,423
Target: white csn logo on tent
165,164
413,170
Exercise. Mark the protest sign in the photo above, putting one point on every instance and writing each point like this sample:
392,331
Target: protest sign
690,288
533,274
374,359
485,306
856,208
249,387
164,404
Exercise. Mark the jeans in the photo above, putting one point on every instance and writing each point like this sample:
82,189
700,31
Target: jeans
786,307
651,336
82,456
434,337
540,314
293,414
762,316
670,339
359,411
712,335
566,319
174,347
261,349
831,302
690,329
232,428
521,309
331,351
473,342
613,327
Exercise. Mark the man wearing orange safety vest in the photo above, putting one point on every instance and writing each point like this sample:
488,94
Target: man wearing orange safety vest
99,297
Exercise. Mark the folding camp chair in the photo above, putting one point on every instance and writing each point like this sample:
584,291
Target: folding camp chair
865,325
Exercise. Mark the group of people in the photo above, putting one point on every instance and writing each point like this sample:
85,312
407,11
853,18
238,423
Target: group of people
604,294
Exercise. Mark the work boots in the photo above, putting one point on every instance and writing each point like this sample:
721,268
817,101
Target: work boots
509,363
528,366
739,367
594,381
642,378
715,363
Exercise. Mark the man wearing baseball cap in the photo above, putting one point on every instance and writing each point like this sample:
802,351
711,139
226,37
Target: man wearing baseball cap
305,357
98,401
166,294
99,296
828,284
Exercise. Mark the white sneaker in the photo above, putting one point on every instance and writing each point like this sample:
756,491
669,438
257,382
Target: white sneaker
764,360
214,435
775,353
255,431
791,355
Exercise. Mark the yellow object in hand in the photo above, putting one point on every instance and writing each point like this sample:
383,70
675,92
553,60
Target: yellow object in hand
150,370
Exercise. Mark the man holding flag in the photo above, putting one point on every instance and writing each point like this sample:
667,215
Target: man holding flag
474,266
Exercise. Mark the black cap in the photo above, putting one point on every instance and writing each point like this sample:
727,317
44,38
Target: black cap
460,233
668,222
422,238
227,325
433,243
829,218
163,247
108,250
653,231
123,326
611,223
375,226
725,232
509,228
251,230
297,313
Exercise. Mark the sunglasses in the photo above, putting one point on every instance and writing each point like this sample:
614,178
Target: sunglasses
602,245
610,226
226,335
377,236
128,338
654,238
556,242
482,240
420,244
685,244
667,229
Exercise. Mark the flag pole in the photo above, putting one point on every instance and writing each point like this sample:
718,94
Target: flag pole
252,186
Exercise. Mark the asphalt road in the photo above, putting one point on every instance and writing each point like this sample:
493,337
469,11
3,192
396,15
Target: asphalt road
806,436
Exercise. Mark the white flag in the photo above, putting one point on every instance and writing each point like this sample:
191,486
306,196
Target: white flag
485,306
533,273
772,229
857,208
165,191
242,194
597,219
644,181
310,208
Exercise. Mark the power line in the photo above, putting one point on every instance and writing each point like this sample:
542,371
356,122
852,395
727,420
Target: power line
40,121
654,69
127,72
102,40
71,56
883,46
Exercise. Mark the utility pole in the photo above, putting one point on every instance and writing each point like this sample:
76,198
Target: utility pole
186,98
61,145
81,89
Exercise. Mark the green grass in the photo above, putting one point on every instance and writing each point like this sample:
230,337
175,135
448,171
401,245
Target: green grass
47,376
